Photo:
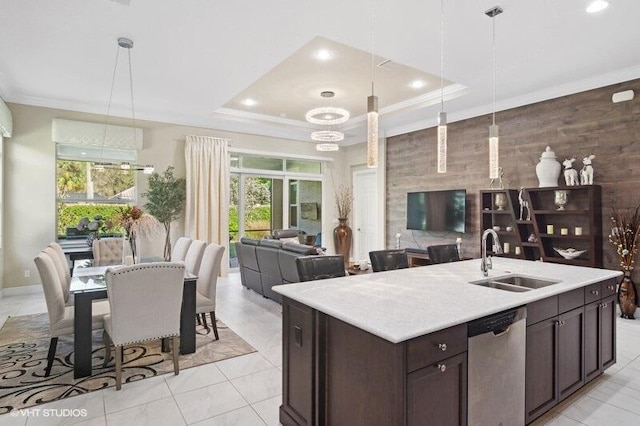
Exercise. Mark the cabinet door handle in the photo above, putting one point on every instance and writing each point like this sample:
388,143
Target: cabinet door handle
442,367
610,287
297,335
561,323
604,305
442,346
595,292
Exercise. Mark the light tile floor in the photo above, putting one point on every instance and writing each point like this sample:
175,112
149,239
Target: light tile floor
246,390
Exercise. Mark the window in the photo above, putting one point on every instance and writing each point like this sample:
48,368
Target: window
270,193
86,189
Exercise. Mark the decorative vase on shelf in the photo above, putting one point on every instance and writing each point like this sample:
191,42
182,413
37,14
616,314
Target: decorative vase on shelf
500,200
561,198
342,239
627,296
548,169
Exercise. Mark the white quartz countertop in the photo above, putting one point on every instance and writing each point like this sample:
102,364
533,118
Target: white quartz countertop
403,304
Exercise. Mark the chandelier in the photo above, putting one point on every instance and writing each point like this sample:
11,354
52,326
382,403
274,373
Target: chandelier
330,117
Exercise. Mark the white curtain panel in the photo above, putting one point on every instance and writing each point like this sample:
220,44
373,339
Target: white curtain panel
207,211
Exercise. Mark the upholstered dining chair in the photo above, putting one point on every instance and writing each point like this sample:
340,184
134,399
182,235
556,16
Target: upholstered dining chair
194,256
60,316
133,318
62,268
107,251
320,267
443,253
180,249
388,260
206,285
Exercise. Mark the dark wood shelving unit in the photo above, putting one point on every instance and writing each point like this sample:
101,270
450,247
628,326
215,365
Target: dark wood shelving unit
583,209
509,217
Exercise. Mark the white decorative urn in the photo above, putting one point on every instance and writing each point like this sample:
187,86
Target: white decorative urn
548,169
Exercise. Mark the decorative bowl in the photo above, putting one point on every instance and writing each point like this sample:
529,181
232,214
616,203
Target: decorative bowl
569,253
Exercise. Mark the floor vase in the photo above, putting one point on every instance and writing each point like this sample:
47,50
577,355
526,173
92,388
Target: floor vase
627,297
342,239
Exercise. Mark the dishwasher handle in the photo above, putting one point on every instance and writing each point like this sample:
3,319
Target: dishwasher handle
497,324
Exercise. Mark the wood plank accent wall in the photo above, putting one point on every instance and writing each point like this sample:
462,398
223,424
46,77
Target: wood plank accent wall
574,126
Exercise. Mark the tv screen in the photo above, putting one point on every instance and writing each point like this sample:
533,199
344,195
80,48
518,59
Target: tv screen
437,210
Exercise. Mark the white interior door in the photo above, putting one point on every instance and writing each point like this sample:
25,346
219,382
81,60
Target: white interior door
365,213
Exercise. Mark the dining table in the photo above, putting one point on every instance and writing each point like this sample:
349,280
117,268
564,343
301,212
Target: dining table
88,284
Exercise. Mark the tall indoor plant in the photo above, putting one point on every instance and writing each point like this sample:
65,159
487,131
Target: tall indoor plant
625,235
166,200
342,234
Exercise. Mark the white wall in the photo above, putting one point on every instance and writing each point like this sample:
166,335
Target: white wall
29,162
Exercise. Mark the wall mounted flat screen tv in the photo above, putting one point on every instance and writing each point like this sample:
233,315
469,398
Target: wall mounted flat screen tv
437,210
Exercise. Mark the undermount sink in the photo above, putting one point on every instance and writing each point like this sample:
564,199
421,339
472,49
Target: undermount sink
516,283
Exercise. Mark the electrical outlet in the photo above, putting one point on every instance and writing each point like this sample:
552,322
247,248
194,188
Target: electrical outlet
27,273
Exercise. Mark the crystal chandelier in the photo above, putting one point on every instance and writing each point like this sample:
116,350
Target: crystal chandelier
330,117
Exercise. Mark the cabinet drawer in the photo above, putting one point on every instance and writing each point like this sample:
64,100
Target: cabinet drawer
570,300
609,287
425,350
592,293
542,310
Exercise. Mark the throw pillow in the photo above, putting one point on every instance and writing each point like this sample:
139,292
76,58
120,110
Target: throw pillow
294,240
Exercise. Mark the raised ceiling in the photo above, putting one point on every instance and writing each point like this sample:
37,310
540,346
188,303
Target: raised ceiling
194,60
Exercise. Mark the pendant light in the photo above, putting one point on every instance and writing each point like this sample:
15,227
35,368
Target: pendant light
124,167
442,116
372,109
494,140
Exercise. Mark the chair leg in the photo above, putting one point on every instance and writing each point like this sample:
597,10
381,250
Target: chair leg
176,349
118,367
107,348
214,324
198,319
53,344
204,322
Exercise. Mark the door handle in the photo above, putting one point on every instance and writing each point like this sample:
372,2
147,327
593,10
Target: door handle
297,335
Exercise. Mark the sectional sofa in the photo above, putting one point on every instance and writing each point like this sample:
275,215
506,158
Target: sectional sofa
268,262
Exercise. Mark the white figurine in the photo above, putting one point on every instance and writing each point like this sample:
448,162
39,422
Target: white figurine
524,204
586,173
570,174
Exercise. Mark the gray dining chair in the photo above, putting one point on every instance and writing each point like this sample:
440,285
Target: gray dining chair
194,256
206,285
133,318
60,316
180,249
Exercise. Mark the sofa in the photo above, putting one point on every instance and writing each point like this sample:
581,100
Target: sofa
269,262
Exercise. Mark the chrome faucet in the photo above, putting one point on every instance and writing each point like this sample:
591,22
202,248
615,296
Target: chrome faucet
486,261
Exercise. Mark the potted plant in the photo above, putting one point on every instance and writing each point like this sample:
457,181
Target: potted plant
625,235
166,200
342,233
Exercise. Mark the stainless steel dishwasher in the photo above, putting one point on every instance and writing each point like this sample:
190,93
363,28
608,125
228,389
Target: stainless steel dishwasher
496,369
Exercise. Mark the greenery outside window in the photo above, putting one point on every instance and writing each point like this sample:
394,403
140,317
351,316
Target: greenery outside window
84,189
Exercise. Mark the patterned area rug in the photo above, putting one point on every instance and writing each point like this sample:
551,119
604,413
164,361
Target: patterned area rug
24,342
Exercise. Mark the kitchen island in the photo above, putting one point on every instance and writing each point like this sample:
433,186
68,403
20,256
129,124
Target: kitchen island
364,349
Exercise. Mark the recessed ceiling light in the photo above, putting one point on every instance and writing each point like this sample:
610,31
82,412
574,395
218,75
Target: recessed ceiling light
418,84
249,102
597,6
323,55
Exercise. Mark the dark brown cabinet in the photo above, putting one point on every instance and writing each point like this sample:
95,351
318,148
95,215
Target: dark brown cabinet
437,394
335,373
570,340
298,355
600,335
